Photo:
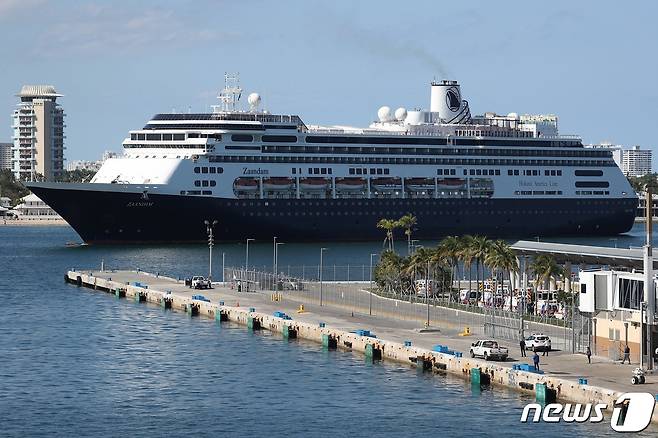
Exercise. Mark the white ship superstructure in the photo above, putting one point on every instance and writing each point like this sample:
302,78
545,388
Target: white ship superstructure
498,175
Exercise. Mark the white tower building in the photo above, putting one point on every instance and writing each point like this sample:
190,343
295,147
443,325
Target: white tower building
636,161
38,140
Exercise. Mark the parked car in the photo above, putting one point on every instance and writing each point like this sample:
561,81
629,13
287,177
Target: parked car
199,282
488,349
538,342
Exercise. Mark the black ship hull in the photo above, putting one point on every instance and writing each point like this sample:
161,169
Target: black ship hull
100,216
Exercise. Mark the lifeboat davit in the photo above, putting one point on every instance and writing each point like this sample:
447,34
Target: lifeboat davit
314,184
419,184
386,184
278,183
451,183
246,184
350,184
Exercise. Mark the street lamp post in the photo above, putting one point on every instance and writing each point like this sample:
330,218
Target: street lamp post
370,294
246,259
276,258
211,243
427,292
322,250
274,261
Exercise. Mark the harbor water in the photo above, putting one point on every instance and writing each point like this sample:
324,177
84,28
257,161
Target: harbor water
79,363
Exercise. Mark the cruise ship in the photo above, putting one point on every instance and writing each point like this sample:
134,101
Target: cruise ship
260,174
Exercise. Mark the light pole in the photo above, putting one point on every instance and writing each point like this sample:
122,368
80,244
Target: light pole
322,250
427,292
274,261
276,258
246,259
370,294
211,243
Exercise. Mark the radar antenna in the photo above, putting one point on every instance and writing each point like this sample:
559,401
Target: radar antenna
231,93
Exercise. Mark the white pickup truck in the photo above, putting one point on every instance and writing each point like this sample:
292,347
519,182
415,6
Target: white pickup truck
199,282
488,349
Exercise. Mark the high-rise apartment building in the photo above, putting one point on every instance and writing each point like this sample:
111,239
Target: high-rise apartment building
38,125
636,161
632,162
5,156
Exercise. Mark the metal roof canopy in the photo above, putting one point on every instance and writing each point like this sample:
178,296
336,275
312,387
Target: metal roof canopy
590,255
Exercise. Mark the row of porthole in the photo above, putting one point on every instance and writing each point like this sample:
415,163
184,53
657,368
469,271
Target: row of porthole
356,204
420,213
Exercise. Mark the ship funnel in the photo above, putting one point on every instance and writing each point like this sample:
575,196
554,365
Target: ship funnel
446,104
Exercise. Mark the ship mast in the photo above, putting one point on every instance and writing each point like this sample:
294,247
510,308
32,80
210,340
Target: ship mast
230,95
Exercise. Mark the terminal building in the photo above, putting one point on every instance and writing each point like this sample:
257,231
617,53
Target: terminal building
38,134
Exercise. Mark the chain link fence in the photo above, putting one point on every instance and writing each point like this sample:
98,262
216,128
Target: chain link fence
353,292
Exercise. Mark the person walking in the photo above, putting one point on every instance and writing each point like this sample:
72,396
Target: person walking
522,346
545,351
627,355
589,354
535,360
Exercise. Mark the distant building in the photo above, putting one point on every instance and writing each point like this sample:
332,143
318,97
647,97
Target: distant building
38,126
32,207
636,161
90,165
83,165
632,162
541,125
5,156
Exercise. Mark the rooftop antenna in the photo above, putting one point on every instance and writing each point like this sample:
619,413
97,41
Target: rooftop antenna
231,93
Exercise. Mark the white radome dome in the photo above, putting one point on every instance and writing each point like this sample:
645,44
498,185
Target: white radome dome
384,114
400,114
253,99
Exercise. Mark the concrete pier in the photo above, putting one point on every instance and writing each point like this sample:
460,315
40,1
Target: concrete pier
393,340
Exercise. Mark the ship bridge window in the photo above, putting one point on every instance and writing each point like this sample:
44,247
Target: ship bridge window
179,136
153,136
204,170
197,169
242,137
166,137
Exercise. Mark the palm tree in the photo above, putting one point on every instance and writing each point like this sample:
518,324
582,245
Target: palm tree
545,268
449,249
480,247
501,258
408,222
465,253
388,225
387,272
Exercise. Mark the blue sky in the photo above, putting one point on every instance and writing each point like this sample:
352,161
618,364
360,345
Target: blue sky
593,63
